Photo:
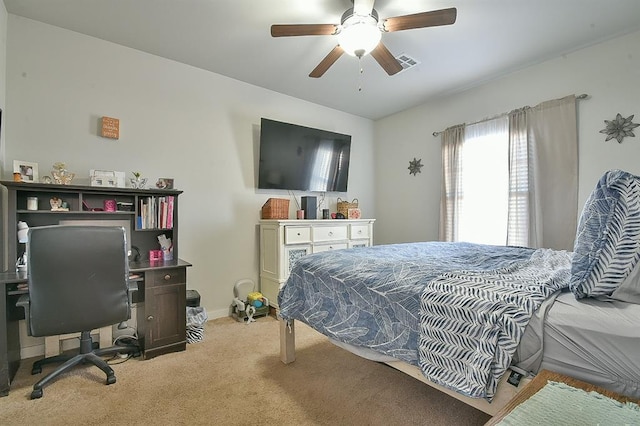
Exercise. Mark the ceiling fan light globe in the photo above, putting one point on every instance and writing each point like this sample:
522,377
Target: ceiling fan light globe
359,37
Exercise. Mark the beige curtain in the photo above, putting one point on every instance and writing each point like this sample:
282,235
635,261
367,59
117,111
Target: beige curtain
553,133
520,230
452,140
543,176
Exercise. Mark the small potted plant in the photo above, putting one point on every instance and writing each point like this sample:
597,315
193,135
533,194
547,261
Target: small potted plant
137,181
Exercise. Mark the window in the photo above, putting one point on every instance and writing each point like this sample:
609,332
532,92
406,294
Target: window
512,180
484,204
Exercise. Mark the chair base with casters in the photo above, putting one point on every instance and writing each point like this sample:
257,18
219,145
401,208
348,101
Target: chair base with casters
88,354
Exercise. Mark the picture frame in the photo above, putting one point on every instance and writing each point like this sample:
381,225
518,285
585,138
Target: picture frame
28,171
107,178
164,183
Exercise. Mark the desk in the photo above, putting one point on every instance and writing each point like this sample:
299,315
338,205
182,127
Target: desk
173,339
540,381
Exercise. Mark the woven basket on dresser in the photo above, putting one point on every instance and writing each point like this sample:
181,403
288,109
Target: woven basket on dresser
276,208
344,206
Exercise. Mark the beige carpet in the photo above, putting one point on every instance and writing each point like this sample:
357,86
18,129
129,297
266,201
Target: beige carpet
234,377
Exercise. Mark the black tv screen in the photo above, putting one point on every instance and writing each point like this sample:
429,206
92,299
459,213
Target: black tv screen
301,158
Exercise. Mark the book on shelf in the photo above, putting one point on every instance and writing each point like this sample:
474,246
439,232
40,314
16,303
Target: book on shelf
155,212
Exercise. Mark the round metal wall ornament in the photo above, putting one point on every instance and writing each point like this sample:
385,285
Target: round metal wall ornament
619,128
415,166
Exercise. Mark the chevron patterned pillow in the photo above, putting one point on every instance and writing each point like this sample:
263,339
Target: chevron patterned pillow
607,245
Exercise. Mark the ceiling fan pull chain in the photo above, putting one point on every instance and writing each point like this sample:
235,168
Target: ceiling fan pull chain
361,71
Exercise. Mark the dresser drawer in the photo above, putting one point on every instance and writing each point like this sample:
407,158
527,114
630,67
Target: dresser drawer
166,277
297,234
359,231
329,233
317,248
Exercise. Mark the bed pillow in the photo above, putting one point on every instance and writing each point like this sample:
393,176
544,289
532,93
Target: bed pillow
607,245
629,289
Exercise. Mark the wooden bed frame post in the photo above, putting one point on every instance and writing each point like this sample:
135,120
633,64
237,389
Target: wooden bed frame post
287,341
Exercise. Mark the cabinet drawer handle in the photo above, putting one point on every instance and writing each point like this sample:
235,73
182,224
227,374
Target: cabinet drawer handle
330,233
167,277
299,234
360,231
150,318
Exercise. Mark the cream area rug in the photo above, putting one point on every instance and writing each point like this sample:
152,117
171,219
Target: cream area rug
234,377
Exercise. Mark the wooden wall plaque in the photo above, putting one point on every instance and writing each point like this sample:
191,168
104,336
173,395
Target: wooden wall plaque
110,128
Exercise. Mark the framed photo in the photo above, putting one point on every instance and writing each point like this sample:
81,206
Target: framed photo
164,183
28,171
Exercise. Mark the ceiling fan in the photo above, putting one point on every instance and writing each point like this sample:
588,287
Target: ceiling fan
360,31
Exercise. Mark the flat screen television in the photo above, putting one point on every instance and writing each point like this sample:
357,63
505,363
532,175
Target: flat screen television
294,157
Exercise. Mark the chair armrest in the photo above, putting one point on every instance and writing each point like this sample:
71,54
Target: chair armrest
23,302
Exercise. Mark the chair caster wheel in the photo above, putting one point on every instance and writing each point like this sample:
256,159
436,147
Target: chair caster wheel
111,379
36,370
37,393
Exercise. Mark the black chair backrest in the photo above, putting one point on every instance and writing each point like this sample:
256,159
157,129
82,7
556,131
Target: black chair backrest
77,278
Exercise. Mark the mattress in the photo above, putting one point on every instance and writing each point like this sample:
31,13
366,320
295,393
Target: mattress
594,341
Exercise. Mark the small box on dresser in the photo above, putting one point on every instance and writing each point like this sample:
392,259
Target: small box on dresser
275,208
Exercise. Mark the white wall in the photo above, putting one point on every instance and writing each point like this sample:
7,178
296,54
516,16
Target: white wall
408,207
175,121
3,73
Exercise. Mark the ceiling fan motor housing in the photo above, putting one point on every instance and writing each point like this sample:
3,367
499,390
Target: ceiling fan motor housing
359,34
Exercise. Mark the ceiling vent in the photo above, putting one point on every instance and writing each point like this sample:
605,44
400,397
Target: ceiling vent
406,61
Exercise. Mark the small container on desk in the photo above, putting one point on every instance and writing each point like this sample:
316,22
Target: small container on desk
155,256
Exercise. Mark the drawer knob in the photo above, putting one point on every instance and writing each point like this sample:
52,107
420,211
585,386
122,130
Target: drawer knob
360,231
167,277
150,318
298,234
330,233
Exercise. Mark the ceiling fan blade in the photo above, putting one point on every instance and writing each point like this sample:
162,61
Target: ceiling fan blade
363,7
386,60
421,20
328,60
289,30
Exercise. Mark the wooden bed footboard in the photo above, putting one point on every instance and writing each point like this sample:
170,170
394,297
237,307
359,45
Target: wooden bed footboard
504,393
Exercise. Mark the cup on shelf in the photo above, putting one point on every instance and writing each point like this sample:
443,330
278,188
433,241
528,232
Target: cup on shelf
32,203
109,205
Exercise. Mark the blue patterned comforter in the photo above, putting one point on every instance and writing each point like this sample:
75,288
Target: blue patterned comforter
371,297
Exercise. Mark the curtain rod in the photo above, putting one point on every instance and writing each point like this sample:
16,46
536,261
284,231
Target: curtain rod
579,97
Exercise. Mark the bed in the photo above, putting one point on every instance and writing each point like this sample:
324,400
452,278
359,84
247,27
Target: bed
477,321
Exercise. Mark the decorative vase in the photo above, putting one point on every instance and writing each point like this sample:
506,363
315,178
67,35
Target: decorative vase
138,182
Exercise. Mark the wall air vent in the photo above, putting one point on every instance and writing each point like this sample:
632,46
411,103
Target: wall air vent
407,61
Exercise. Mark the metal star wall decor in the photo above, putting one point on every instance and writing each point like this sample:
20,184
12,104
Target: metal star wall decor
619,128
415,166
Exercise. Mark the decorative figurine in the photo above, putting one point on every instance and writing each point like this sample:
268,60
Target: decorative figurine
57,205
61,175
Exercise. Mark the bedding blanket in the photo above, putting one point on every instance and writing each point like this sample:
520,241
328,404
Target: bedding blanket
472,322
371,297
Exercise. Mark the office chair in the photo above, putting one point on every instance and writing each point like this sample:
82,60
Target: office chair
78,282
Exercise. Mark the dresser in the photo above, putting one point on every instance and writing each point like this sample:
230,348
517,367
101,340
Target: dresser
284,241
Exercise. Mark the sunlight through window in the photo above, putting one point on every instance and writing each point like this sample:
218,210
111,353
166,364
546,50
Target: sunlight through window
485,183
